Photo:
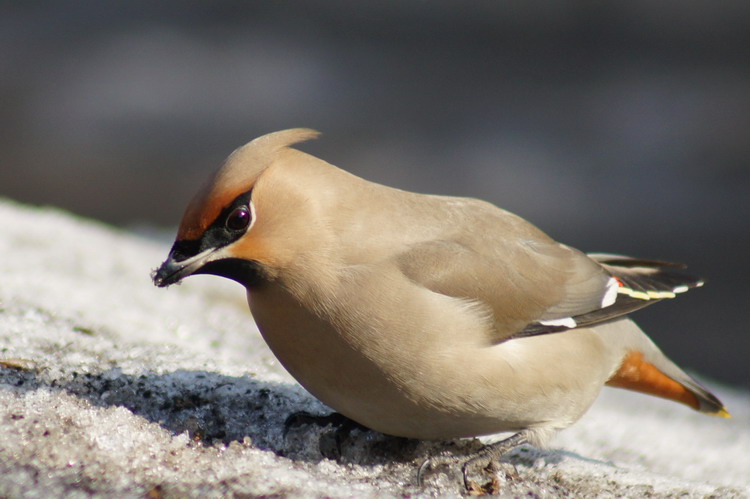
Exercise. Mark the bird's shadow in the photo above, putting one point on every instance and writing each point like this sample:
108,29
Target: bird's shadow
217,409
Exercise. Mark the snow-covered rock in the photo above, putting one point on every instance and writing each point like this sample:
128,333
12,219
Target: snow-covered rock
112,387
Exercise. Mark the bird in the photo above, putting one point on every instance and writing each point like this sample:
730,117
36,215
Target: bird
425,316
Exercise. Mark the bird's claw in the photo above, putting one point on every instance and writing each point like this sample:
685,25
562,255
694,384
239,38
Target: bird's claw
425,466
330,444
335,419
485,458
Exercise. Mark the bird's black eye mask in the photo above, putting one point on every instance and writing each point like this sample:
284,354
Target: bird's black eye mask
231,224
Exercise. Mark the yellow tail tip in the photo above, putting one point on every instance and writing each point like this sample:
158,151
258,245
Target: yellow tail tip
722,413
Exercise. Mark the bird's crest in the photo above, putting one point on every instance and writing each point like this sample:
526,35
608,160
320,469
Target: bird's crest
236,176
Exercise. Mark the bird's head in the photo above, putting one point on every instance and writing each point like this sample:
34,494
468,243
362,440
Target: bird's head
239,225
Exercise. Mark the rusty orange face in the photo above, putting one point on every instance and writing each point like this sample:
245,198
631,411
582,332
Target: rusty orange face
223,212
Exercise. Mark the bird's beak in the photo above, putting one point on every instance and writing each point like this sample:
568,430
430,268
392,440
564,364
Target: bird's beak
173,271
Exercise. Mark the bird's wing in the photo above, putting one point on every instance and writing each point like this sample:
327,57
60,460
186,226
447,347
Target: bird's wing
537,286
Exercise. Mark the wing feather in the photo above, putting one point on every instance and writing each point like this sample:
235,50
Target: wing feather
538,286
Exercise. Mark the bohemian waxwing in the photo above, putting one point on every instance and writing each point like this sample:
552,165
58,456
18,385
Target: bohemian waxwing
423,316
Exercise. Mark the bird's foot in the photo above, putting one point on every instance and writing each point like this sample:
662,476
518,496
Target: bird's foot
330,444
335,419
485,459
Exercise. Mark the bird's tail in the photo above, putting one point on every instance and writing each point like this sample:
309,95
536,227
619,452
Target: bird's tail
644,368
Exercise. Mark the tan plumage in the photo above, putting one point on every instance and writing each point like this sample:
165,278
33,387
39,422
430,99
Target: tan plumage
424,316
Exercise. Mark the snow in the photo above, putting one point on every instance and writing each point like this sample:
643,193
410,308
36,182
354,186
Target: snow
112,387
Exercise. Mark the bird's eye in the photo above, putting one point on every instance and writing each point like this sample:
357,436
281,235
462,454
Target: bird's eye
239,219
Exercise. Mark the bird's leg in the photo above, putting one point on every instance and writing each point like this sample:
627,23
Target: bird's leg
335,419
342,428
489,454
433,462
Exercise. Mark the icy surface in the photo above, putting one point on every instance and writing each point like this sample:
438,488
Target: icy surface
111,387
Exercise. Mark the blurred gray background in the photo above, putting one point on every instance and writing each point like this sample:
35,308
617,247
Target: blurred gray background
620,127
